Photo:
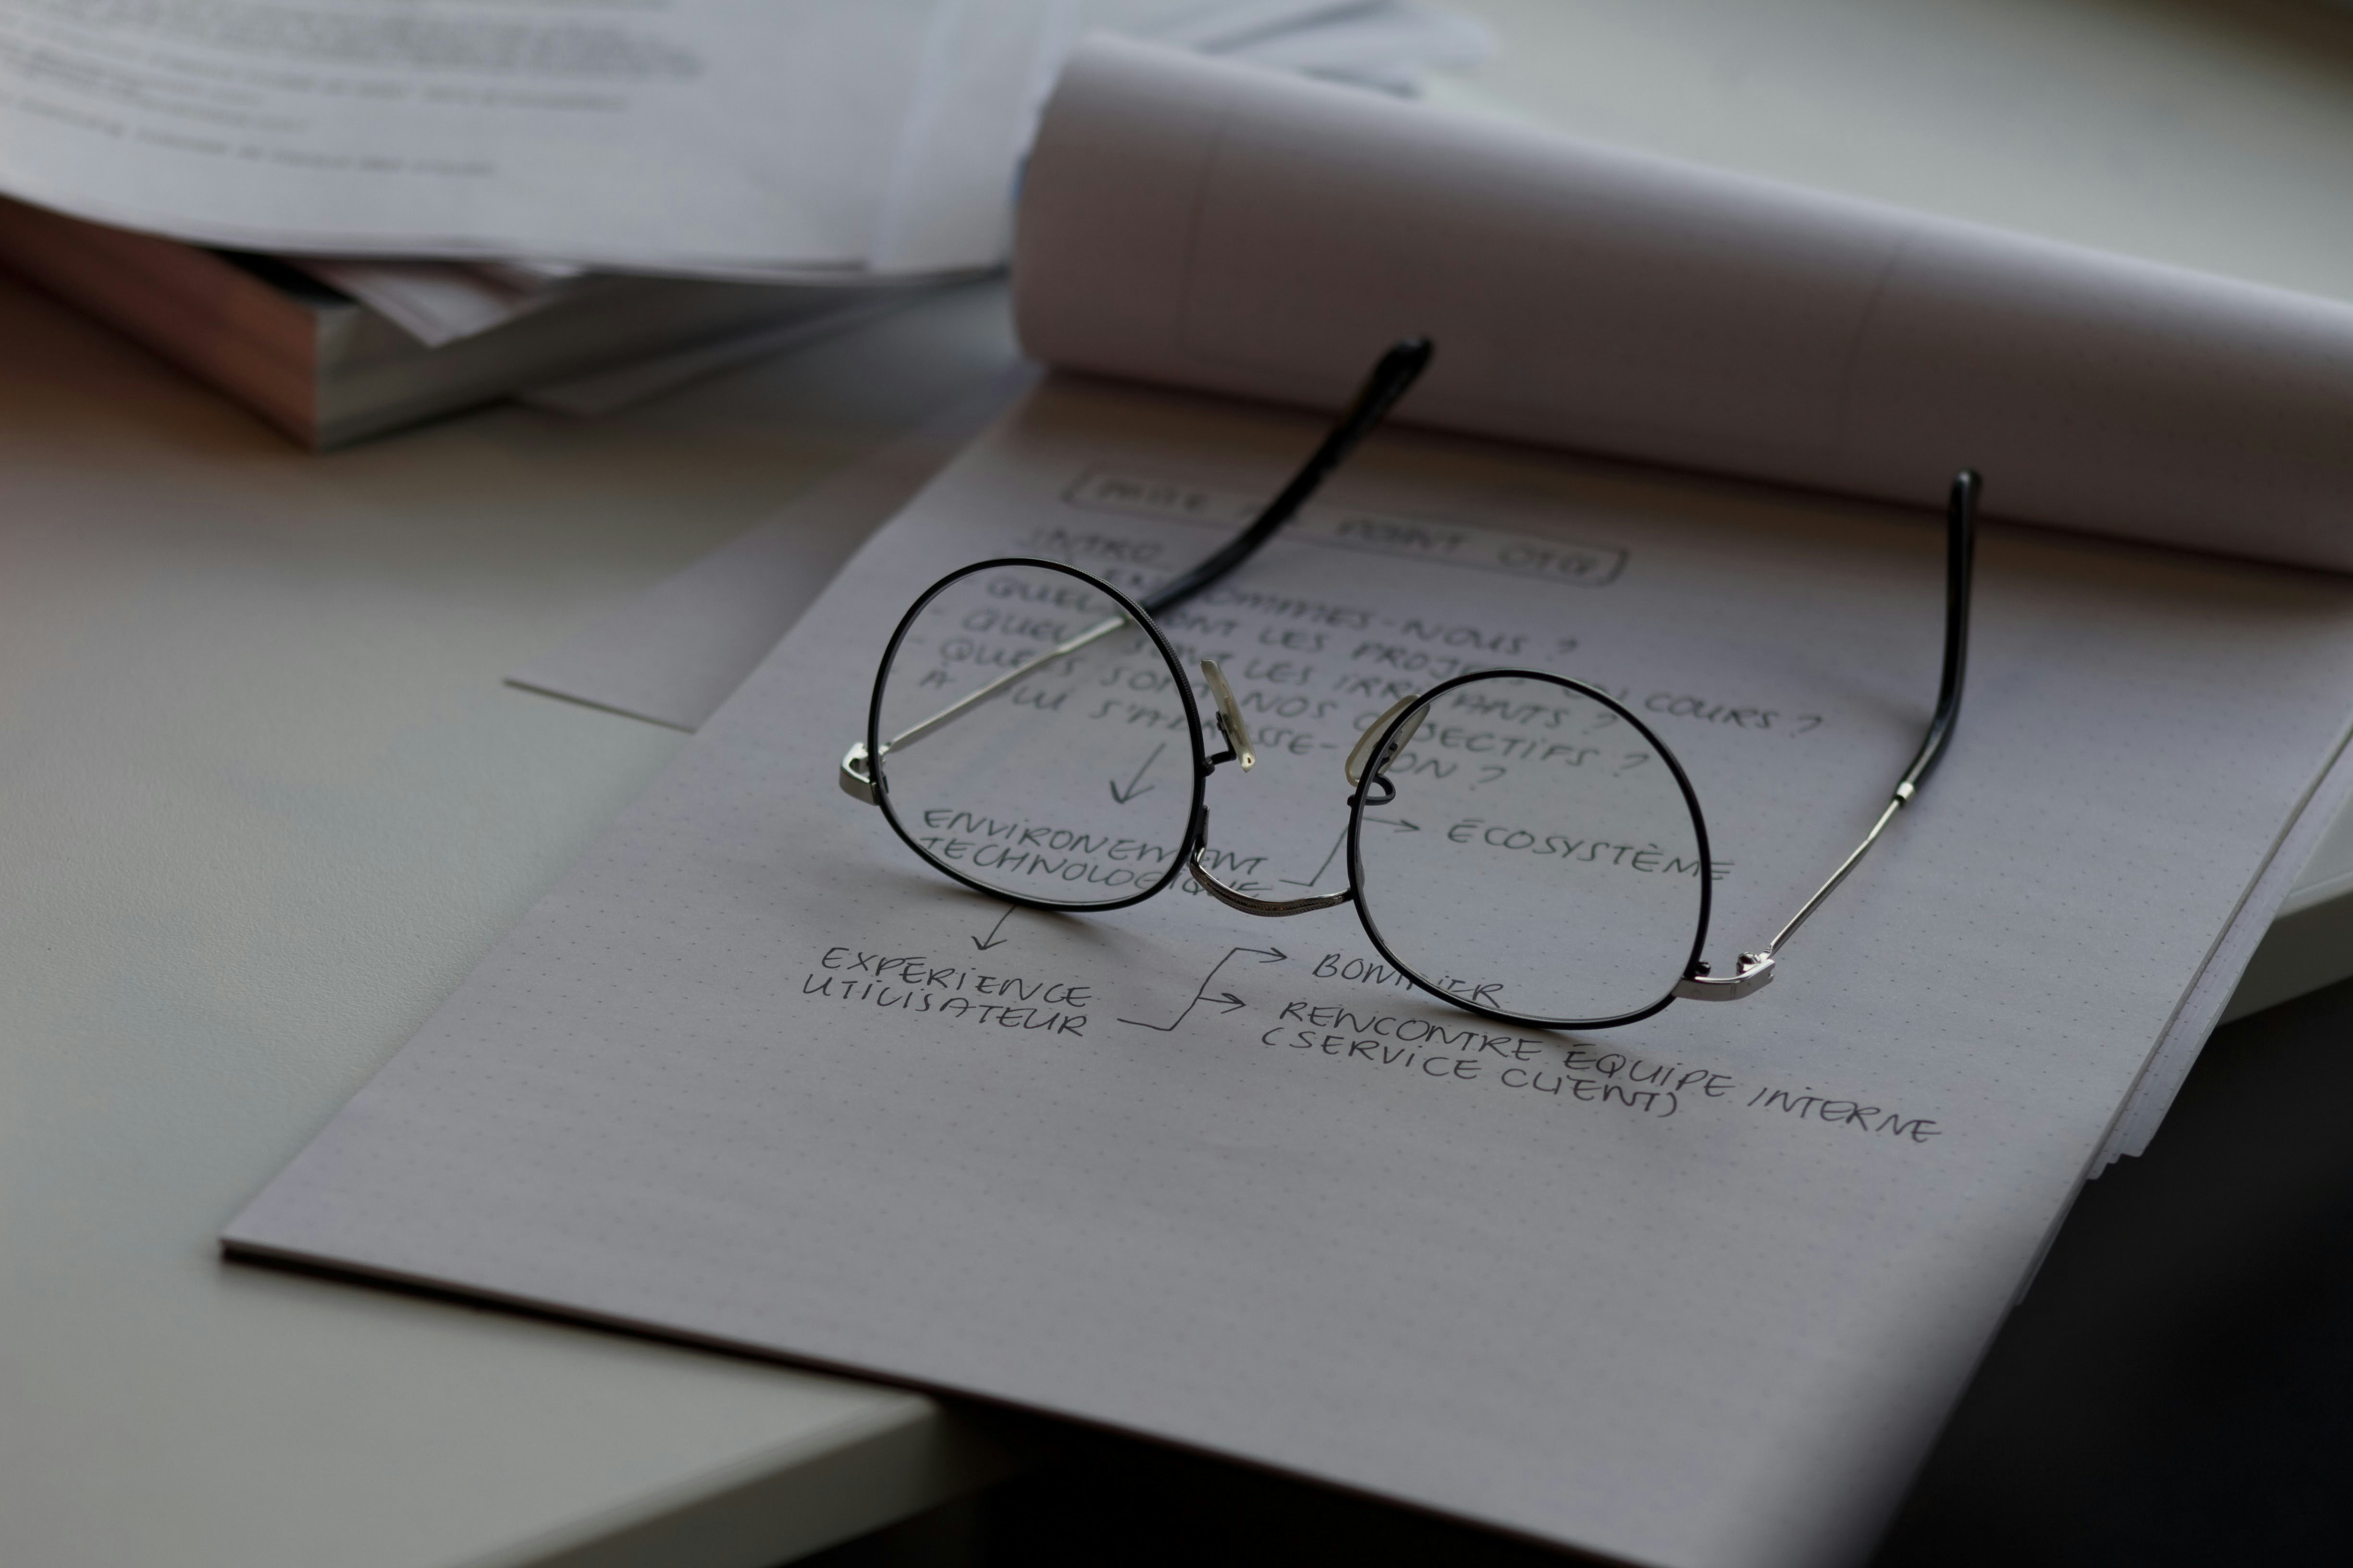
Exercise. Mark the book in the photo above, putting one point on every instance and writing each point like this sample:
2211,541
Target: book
1698,1290
328,370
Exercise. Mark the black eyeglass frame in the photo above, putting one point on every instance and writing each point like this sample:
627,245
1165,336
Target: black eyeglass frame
1132,612
864,775
1388,744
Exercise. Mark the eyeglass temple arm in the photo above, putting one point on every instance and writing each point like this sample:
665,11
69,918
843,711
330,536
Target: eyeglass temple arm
1960,565
1391,377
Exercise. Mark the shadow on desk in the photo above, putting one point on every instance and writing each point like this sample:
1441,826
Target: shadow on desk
2176,1388
2178,1385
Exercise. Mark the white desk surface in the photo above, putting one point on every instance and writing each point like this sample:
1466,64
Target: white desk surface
2208,134
263,800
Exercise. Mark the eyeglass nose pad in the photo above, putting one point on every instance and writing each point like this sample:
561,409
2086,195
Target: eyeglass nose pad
1360,755
1229,714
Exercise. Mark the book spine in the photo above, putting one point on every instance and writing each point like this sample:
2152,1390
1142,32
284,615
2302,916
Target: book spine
187,304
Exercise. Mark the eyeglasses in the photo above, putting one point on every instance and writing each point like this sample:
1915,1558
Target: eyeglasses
1033,735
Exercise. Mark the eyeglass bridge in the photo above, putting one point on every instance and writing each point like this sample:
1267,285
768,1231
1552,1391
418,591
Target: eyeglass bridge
1238,748
1362,769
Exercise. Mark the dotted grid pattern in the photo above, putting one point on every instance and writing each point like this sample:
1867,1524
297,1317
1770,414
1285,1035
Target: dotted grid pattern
1719,1335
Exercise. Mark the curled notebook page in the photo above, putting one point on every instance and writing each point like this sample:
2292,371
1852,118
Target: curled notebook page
1631,305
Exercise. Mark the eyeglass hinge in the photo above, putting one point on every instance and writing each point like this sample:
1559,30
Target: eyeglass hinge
1756,973
856,778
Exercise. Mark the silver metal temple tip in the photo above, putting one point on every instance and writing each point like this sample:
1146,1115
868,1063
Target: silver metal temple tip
856,780
1755,973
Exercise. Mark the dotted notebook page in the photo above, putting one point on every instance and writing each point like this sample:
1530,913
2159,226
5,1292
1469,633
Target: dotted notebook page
1696,1290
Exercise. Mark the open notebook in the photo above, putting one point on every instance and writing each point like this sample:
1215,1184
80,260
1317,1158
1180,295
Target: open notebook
1695,1291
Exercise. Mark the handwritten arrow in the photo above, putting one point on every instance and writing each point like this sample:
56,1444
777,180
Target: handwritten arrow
1395,825
1331,855
994,940
1226,999
1132,792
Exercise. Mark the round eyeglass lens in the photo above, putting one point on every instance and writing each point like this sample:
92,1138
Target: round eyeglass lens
1541,857
1036,740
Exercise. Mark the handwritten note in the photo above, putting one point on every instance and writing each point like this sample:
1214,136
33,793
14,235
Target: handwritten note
1414,538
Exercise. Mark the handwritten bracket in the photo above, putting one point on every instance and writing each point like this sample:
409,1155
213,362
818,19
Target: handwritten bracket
1226,1000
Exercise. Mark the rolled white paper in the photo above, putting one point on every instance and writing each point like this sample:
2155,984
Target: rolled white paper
1218,226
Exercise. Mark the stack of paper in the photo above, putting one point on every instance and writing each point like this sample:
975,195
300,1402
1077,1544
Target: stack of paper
462,168
839,140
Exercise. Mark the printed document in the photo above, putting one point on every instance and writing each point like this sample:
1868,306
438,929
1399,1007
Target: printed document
781,140
1696,1291
742,130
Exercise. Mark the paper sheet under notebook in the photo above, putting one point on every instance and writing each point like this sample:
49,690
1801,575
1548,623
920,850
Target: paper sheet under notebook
1697,1291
